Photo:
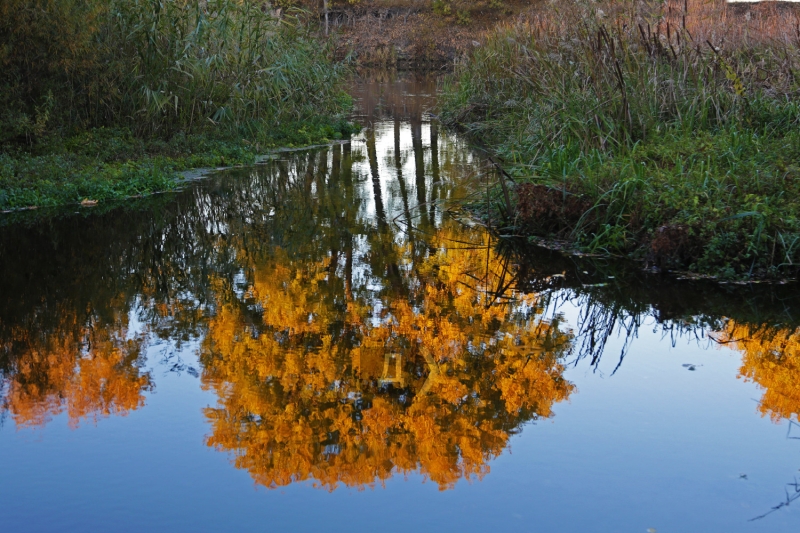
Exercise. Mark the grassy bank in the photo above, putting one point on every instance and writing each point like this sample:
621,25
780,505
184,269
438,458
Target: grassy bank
645,130
103,164
108,99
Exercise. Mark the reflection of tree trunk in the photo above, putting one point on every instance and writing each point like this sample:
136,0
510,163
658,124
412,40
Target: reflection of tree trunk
434,170
321,175
350,208
398,164
347,165
376,178
384,238
283,172
348,268
325,7
334,264
309,177
337,161
419,168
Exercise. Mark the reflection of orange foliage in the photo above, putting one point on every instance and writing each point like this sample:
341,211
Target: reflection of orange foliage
87,371
313,386
770,358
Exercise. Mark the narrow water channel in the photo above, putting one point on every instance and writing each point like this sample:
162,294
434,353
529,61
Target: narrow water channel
326,342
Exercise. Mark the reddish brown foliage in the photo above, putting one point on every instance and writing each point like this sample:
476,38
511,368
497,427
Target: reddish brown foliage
673,245
548,210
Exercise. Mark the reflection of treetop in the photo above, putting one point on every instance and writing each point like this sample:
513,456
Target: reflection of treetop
770,358
432,374
88,370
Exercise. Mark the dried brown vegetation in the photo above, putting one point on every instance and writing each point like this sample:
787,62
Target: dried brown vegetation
549,209
415,33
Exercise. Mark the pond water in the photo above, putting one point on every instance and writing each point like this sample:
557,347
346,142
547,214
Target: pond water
325,342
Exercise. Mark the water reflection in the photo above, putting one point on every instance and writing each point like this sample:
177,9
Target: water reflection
770,358
376,337
349,325
81,367
352,386
351,329
759,323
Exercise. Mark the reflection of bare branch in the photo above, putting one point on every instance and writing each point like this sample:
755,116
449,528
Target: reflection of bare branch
597,323
175,364
792,424
792,491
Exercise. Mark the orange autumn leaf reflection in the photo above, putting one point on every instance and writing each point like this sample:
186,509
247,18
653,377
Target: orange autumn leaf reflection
87,370
430,374
771,359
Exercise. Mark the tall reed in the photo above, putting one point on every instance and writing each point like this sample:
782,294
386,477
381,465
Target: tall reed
159,66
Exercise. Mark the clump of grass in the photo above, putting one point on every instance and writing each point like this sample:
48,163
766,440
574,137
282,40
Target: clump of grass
680,141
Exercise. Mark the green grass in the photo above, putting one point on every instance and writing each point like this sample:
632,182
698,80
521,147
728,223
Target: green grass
104,164
627,141
733,192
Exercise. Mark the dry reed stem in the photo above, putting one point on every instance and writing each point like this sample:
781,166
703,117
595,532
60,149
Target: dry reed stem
736,25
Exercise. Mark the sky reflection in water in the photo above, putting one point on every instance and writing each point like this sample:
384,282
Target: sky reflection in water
327,321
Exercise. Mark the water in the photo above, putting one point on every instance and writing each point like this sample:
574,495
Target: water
326,342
